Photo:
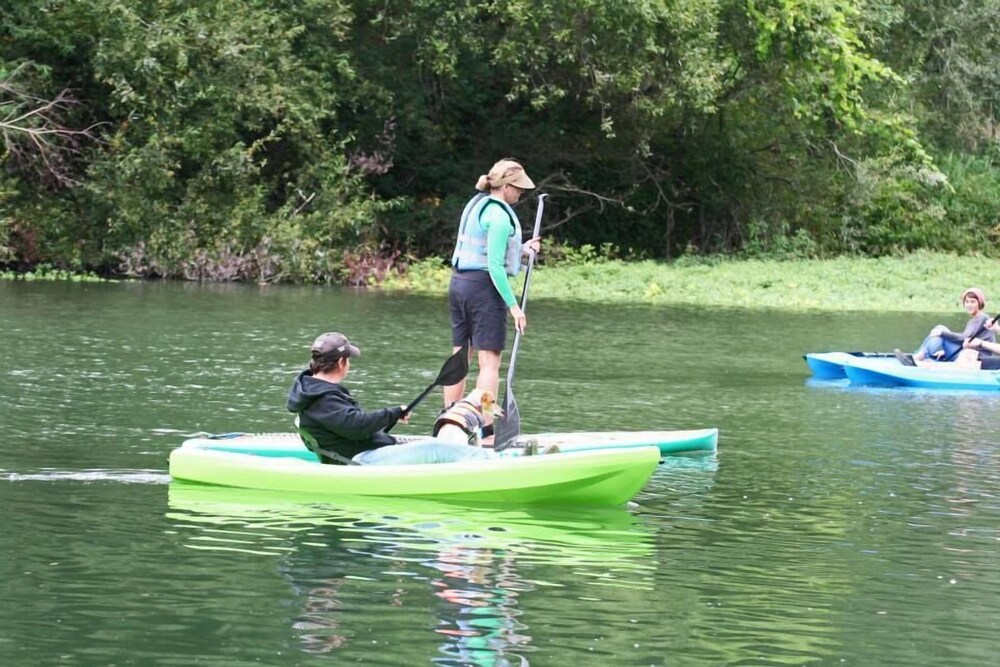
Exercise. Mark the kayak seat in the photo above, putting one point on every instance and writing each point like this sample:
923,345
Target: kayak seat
323,455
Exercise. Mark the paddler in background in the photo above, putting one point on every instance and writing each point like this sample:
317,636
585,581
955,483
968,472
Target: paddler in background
943,344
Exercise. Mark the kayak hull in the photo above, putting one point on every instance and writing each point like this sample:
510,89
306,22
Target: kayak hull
871,372
830,365
601,477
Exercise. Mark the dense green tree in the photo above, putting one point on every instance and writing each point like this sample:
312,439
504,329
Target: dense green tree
323,139
951,51
661,125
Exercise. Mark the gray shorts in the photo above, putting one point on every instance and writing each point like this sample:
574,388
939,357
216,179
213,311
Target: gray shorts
478,314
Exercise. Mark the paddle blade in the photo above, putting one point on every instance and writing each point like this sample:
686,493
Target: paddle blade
452,372
507,428
455,369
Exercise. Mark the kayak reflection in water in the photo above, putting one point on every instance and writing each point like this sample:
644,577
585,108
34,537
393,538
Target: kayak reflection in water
333,425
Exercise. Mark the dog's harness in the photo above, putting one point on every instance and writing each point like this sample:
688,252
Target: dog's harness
463,414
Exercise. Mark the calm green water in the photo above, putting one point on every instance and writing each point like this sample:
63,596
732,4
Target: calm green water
835,525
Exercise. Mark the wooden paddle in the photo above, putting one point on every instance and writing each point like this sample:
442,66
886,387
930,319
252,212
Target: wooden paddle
453,371
508,427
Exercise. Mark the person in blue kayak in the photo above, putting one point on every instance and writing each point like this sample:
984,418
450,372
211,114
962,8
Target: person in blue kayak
333,425
488,250
981,353
943,344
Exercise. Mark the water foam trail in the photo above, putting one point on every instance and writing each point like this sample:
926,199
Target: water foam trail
100,475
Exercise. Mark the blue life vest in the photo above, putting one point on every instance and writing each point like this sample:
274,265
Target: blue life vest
470,249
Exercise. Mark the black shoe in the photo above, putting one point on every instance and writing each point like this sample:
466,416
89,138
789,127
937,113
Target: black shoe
904,358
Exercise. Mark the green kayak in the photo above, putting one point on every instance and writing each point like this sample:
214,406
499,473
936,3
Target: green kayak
696,441
598,477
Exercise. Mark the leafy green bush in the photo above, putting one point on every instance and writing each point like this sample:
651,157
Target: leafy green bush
972,206
430,274
893,209
778,242
556,253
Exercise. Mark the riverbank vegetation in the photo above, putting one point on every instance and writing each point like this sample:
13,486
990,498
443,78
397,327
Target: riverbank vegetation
919,282
336,141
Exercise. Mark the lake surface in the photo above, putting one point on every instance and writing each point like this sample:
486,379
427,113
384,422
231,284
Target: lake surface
835,525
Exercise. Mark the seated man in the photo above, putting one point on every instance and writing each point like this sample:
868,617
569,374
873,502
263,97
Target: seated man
335,427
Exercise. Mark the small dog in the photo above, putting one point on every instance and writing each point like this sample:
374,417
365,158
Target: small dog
462,422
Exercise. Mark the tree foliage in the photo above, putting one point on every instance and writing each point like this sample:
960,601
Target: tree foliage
318,140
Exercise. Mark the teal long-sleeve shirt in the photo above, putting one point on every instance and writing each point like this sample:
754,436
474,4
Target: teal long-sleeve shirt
499,229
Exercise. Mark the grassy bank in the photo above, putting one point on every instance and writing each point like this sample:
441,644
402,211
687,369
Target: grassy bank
923,282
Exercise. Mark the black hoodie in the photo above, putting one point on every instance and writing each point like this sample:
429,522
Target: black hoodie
329,413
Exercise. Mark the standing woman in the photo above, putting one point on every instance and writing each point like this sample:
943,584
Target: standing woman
488,250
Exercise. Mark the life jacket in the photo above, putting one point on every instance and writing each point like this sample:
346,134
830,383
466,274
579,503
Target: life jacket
470,248
462,414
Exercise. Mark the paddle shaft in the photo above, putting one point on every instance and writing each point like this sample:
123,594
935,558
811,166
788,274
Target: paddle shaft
422,396
524,293
509,391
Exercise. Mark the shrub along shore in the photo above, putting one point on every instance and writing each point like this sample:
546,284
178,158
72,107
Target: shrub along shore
922,282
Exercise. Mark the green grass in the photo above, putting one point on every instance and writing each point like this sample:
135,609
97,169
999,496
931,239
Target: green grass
922,282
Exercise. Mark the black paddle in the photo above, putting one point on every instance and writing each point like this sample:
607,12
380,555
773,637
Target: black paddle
508,427
452,372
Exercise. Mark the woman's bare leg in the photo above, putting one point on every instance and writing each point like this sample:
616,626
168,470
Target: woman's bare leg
489,380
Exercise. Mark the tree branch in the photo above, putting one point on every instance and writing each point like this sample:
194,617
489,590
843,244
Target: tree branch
35,133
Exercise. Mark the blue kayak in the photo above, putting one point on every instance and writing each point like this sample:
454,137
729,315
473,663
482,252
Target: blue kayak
944,375
830,365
